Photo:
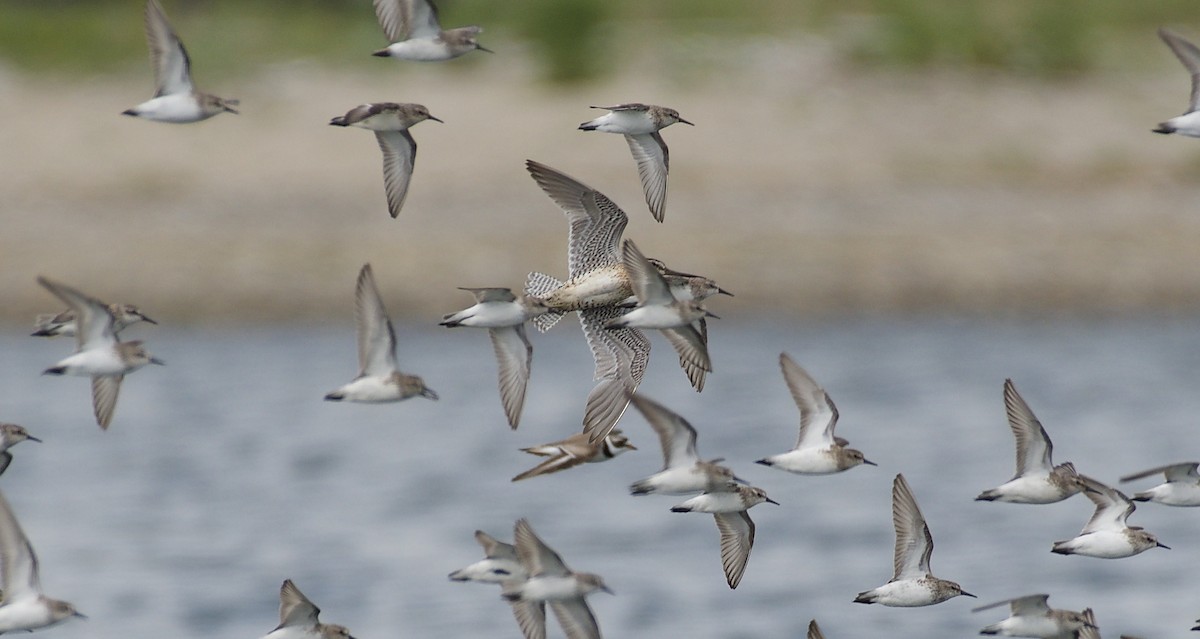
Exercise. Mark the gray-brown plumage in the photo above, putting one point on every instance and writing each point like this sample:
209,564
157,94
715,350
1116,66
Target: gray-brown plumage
390,121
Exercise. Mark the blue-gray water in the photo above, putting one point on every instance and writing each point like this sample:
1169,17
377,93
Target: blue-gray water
225,473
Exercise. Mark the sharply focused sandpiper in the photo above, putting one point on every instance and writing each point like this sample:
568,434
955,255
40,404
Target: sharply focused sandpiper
1106,534
818,451
415,33
63,324
1181,488
175,97
731,509
683,471
1038,480
504,315
640,124
378,379
1031,616
11,435
499,564
1189,123
598,282
98,354
23,606
681,322
575,450
550,581
911,584
390,122
298,618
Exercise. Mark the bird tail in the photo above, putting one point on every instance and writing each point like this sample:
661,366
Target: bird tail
540,285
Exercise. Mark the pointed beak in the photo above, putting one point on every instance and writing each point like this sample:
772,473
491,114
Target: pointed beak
869,462
740,480
1162,545
967,594
630,446
230,109
437,119
80,615
147,319
607,589
772,501
483,48
724,292
155,360
33,439
686,122
382,53
712,315
428,392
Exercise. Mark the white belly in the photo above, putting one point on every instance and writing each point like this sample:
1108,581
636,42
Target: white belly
806,461
420,50
369,388
178,108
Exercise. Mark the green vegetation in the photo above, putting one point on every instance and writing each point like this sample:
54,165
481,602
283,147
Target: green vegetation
576,38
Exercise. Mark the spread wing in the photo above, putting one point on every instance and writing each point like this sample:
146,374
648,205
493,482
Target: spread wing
172,68
295,610
404,19
595,222
553,464
1189,55
490,294
376,337
621,357
94,326
1029,605
399,155
1112,506
537,558
737,537
653,162
814,631
494,548
576,618
692,348
818,415
675,434
514,354
695,369
1034,449
531,617
647,283
914,544
1184,472
18,563
105,389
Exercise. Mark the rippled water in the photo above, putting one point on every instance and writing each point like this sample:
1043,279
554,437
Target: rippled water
225,473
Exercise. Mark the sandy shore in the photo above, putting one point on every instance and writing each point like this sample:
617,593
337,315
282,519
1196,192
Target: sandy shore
804,188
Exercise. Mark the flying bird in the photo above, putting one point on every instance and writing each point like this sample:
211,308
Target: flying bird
176,98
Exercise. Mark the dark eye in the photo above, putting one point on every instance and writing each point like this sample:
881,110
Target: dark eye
501,571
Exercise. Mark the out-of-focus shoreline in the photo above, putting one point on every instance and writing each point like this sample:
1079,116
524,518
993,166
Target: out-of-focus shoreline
805,189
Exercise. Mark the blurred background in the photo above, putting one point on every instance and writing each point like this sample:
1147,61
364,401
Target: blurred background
862,157
915,198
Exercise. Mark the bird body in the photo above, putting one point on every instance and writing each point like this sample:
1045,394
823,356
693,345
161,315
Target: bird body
378,379
818,451
176,99
1038,480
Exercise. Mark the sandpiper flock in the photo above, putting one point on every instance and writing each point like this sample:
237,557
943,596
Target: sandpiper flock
618,293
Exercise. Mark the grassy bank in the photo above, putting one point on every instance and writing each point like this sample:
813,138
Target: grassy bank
576,40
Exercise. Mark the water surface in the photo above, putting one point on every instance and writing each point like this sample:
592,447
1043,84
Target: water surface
225,473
